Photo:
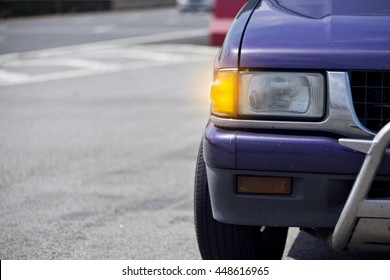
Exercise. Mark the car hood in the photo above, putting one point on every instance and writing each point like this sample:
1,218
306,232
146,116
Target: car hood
323,8
320,34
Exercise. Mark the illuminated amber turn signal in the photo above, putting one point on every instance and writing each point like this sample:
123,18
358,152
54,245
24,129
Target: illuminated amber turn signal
223,94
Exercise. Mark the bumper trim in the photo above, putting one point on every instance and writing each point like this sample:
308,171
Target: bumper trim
374,208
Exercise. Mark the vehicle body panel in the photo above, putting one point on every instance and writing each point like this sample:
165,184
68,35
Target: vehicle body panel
281,152
228,56
317,35
334,37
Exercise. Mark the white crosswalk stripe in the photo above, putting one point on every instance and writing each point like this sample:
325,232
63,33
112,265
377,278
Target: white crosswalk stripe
94,59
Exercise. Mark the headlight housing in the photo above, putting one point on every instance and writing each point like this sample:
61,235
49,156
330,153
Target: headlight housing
281,95
268,95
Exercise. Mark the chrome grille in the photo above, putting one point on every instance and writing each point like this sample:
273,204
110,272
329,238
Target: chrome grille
371,97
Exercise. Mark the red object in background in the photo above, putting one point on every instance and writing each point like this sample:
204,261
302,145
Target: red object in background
224,12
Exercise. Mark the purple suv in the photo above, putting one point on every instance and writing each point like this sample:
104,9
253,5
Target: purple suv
298,132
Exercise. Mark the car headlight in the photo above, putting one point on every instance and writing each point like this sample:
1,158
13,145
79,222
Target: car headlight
281,94
269,95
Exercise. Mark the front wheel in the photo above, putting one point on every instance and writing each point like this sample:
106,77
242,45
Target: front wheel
220,241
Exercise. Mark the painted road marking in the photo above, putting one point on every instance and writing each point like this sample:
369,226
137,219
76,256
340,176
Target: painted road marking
49,65
103,29
102,57
89,47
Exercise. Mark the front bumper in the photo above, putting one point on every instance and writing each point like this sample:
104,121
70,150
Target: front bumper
322,172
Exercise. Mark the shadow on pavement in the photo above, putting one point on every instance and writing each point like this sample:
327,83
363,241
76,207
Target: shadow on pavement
306,247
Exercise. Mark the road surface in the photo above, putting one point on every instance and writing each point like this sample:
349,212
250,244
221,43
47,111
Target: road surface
101,116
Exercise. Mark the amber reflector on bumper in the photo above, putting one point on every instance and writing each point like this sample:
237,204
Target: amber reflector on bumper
264,185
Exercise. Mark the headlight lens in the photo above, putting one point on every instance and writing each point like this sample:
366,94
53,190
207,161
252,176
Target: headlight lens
223,93
281,95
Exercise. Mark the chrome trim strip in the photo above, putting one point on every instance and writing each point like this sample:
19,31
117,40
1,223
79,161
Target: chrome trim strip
340,116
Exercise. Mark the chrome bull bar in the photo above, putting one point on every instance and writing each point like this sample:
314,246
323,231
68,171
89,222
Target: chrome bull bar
364,224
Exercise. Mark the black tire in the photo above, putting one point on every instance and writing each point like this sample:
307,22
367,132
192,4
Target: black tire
220,241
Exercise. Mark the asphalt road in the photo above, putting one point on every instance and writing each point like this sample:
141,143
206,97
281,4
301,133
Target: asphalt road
36,33
100,121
